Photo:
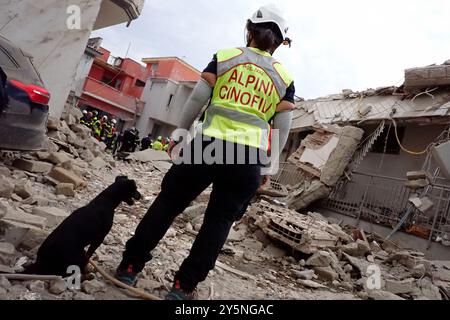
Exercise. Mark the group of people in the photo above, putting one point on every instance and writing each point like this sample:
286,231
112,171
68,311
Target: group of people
102,128
161,144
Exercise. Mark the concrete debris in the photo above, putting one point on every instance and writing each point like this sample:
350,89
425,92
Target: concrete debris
420,79
320,259
322,159
148,284
87,155
93,286
382,295
24,190
53,216
66,176
423,204
303,233
98,163
272,252
356,249
399,287
66,189
304,275
6,188
33,166
326,274
59,157
311,284
149,155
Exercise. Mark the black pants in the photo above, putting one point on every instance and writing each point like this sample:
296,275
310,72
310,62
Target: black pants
233,188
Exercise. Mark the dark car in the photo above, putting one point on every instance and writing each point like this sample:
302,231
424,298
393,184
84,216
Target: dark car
24,113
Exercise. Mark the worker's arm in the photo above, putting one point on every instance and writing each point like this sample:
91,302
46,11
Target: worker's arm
198,98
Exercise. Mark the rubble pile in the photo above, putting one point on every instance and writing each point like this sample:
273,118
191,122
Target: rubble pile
349,259
272,253
321,160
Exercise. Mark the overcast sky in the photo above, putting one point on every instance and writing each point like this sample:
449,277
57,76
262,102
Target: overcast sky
354,44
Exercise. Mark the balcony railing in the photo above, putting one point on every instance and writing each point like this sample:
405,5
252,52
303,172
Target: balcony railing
108,94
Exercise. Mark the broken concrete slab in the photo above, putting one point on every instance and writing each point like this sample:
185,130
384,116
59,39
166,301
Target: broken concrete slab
33,166
14,232
53,215
22,217
65,176
149,155
382,295
162,166
399,287
194,211
4,171
66,189
36,200
274,251
57,286
59,157
252,244
305,275
87,155
326,274
417,184
357,249
320,259
98,163
314,191
6,188
24,190
34,238
93,286
310,284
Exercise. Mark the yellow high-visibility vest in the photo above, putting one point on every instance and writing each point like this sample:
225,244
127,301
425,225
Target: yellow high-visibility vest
250,84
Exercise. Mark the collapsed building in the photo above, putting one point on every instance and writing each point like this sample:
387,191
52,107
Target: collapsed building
378,159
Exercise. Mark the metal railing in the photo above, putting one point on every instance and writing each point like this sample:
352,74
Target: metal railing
384,200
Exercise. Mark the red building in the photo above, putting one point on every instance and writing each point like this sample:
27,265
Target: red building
115,86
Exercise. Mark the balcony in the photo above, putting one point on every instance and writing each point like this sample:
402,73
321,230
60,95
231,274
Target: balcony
114,12
109,95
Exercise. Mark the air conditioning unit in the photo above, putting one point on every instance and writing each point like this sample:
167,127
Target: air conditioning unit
441,153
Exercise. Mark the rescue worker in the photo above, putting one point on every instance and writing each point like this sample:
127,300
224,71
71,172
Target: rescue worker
249,89
166,144
137,140
96,126
111,134
146,142
157,145
128,140
84,120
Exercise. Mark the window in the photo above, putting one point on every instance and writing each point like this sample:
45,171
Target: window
6,60
139,83
391,143
154,68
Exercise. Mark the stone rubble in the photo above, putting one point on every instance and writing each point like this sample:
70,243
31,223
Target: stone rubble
272,253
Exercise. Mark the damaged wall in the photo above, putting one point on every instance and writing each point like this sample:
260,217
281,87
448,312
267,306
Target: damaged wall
324,155
397,165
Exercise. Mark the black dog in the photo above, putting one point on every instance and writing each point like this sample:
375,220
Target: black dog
87,226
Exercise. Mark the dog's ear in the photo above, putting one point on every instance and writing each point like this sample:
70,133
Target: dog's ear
121,178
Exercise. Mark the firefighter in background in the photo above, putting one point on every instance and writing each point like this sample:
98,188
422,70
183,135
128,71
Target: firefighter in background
85,119
111,134
146,142
166,144
96,128
158,145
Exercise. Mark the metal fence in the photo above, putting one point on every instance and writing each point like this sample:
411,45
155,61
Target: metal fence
384,200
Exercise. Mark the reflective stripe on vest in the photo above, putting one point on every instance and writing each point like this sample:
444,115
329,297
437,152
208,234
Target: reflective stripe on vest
248,89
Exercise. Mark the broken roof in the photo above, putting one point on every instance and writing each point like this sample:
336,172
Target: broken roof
379,104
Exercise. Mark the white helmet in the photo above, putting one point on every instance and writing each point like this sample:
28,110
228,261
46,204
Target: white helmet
270,13
84,112
114,121
105,117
